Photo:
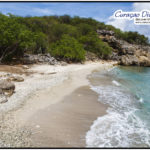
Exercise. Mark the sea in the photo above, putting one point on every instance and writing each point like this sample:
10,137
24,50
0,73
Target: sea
126,92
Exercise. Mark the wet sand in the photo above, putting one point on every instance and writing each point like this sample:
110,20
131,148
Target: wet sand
65,124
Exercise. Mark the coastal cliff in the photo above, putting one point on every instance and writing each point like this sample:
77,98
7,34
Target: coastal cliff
125,53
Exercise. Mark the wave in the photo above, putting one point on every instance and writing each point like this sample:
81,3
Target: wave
116,130
120,127
115,96
112,68
116,83
141,100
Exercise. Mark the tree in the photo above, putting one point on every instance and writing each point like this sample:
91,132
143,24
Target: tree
84,28
14,37
65,19
94,44
41,43
68,48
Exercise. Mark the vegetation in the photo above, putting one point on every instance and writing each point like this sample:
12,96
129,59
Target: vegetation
68,48
94,44
64,37
131,37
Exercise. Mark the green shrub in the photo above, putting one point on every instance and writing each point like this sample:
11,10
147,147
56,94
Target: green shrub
84,28
94,44
68,48
15,38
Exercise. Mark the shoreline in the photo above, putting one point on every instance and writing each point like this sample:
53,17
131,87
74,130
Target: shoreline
65,83
65,124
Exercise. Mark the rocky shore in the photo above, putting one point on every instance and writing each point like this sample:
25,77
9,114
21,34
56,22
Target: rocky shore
125,53
13,74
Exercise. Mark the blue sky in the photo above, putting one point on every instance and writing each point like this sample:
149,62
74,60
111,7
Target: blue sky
101,11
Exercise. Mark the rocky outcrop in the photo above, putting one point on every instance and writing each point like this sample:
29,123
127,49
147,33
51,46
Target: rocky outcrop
7,85
12,77
25,67
16,78
105,32
129,60
144,61
124,52
6,88
39,58
136,56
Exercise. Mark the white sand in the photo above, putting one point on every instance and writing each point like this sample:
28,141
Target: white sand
43,79
47,85
53,88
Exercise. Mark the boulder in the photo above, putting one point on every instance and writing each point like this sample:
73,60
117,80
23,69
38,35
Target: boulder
7,86
25,67
17,78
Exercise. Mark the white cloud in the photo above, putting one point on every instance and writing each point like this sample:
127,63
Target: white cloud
43,11
118,23
141,6
128,25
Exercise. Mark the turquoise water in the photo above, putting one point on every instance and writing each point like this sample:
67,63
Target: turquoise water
127,123
137,81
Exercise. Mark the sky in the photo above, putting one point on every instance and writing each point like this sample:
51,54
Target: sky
101,11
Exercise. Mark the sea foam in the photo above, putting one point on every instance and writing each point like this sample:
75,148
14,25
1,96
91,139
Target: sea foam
116,83
120,127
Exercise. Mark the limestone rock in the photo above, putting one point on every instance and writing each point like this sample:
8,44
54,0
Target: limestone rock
7,86
105,32
25,67
144,61
126,53
129,60
17,78
40,58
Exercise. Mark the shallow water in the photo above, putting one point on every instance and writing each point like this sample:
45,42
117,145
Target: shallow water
127,123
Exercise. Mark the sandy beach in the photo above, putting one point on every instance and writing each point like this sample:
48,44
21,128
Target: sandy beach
54,105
